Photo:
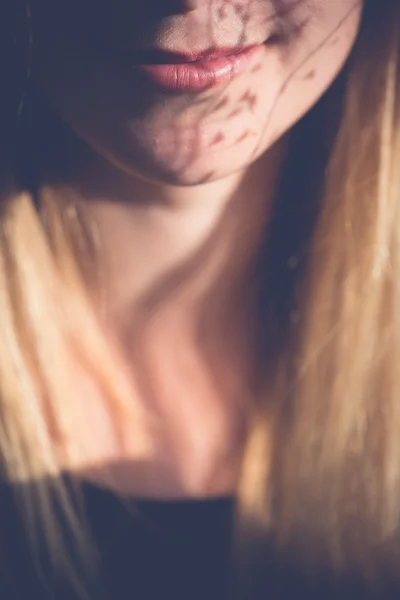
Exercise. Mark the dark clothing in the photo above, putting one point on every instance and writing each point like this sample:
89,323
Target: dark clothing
153,550
148,550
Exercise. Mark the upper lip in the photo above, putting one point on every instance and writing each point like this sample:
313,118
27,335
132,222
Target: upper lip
156,56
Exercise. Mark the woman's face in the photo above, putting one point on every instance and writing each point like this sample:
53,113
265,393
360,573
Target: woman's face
202,113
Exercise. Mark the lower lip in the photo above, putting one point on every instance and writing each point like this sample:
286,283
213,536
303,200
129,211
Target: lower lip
200,75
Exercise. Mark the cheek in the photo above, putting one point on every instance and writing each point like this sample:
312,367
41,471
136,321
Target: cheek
309,65
278,91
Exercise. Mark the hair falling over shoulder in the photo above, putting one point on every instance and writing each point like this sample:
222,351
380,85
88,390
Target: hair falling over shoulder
322,460
322,471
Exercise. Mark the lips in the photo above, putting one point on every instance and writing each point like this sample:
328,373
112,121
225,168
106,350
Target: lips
153,57
189,71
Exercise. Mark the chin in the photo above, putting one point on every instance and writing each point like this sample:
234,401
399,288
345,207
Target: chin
205,167
194,175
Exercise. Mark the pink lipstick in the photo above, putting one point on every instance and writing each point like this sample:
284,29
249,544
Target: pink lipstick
195,73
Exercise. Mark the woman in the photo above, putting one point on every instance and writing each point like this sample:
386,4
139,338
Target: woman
199,299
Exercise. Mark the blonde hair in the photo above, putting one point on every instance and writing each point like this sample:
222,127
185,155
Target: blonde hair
322,460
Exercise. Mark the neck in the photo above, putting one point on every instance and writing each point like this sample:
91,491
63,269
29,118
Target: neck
178,288
155,239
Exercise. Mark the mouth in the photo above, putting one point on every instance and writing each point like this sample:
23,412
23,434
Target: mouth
154,57
190,71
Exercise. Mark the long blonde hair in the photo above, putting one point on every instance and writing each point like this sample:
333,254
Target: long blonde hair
322,462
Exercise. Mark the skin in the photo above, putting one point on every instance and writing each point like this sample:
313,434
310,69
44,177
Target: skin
184,139
179,188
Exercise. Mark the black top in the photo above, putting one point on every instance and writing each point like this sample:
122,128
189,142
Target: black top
148,550
153,550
